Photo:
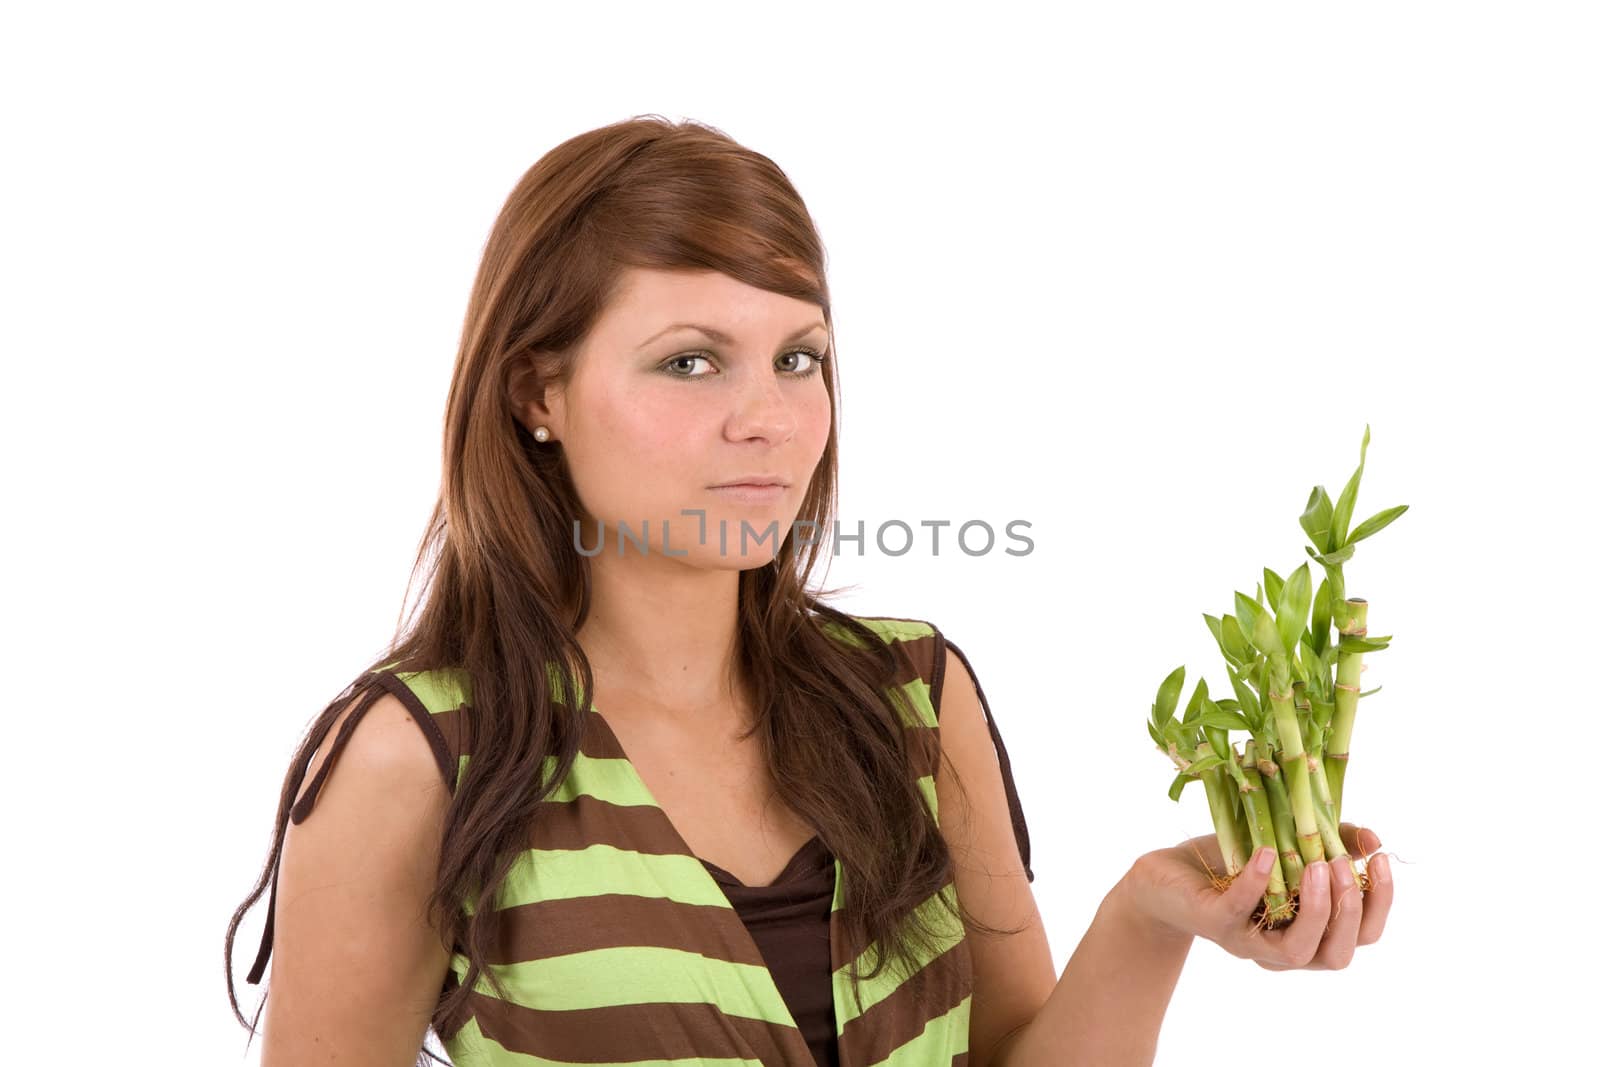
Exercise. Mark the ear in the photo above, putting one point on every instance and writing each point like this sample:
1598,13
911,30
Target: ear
536,396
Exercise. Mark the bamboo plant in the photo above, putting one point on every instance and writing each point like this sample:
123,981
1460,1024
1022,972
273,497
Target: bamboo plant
1295,693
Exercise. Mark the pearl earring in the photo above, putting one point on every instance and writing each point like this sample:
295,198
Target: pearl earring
541,434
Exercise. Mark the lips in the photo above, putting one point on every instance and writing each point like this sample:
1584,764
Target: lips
753,481
752,493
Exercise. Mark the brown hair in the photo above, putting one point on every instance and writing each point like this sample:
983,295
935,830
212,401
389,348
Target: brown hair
507,590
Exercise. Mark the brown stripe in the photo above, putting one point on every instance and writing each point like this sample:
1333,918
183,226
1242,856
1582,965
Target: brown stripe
630,1032
452,725
914,659
923,744
935,989
588,820
550,928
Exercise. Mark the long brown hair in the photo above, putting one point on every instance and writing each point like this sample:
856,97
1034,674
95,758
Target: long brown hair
506,589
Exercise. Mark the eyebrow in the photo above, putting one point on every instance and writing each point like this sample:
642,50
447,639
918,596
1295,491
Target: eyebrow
723,339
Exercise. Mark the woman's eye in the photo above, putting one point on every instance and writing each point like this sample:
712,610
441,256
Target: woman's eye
678,360
813,363
809,368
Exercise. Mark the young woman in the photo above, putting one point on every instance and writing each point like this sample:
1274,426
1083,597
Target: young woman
625,789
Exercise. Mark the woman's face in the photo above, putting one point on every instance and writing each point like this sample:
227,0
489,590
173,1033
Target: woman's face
659,414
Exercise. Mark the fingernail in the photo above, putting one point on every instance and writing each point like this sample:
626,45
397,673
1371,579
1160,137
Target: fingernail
1342,875
1317,875
1382,863
1264,860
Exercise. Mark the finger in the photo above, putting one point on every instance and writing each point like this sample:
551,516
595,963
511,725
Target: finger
1339,941
1247,888
1269,965
1361,840
1380,898
1304,936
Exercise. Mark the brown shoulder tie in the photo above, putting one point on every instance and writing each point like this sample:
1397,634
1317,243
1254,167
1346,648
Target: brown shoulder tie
299,812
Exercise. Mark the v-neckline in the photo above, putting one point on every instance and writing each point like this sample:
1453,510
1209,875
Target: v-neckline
682,841
782,876
753,949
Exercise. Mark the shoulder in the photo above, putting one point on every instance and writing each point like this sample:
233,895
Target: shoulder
379,746
439,702
354,878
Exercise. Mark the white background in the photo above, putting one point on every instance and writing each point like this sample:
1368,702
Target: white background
1138,274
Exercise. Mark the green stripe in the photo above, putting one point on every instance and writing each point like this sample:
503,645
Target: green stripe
539,875
604,778
914,700
897,629
944,1038
930,793
641,974
949,934
470,1048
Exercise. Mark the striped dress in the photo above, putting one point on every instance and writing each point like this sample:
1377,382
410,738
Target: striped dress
619,946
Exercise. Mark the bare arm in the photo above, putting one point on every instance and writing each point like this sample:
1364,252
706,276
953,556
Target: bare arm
356,967
1109,1003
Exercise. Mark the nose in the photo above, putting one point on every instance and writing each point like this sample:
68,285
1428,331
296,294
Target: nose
762,410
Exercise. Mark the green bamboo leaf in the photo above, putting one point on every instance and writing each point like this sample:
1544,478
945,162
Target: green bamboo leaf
1223,720
1297,669
1204,764
1247,697
1264,635
1155,735
1363,644
1248,611
1167,696
1333,559
1376,523
1325,710
1317,519
1296,604
1347,499
1274,586
1176,789
1234,643
1177,735
1214,624
1322,617
1368,692
1315,667
1216,733
1197,704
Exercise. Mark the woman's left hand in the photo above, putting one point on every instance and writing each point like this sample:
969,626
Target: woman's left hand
1174,888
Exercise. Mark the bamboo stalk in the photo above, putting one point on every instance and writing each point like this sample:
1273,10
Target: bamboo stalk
1346,695
1294,864
1222,815
1293,760
1262,835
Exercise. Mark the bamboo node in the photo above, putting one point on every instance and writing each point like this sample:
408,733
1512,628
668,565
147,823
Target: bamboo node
1347,688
